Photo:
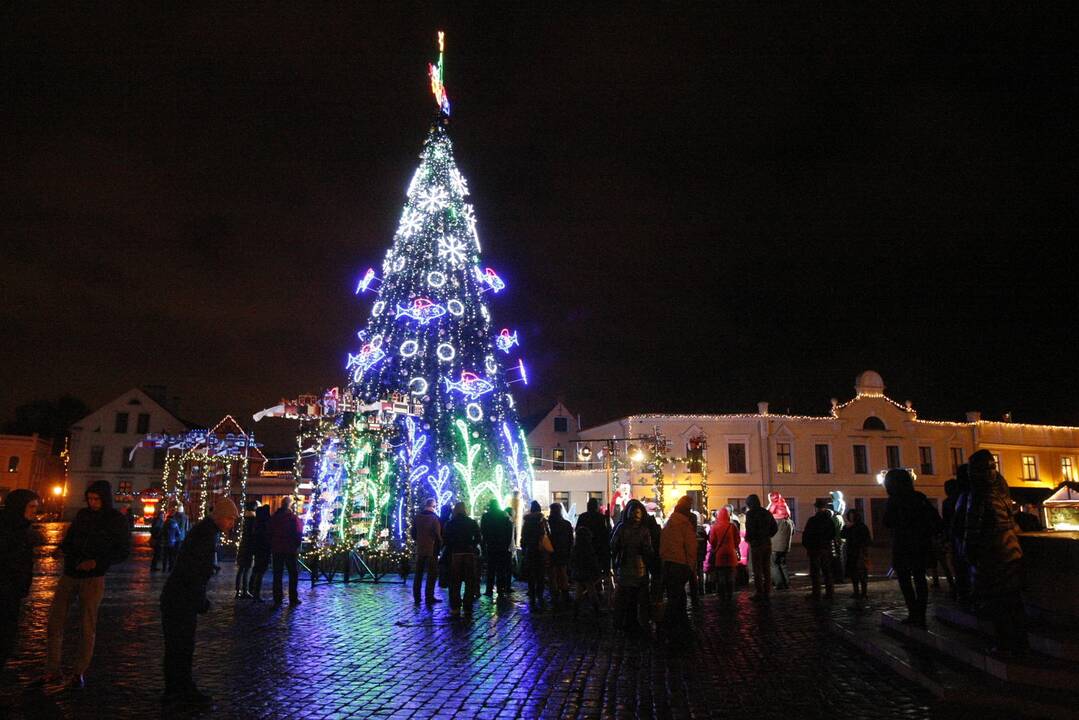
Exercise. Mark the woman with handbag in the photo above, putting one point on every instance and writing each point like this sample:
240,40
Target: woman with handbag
537,546
723,555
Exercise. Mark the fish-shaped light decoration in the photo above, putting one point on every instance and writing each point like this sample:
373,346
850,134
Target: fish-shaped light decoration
422,310
470,385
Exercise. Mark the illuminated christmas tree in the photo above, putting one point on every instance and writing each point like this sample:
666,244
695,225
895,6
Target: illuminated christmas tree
428,410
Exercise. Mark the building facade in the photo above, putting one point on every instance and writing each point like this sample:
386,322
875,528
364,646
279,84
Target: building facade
101,447
804,457
28,463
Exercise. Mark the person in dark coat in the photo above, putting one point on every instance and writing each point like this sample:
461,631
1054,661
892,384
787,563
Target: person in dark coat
245,553
533,529
632,552
97,539
260,549
497,530
761,525
462,538
155,538
585,570
913,521
427,536
562,540
183,599
599,529
286,534
170,540
994,554
18,538
818,538
857,538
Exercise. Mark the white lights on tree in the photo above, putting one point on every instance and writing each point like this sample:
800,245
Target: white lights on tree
409,348
474,412
417,385
446,352
415,182
377,308
460,186
470,219
436,279
432,199
411,222
456,308
452,249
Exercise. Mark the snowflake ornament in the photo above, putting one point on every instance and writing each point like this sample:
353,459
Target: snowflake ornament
411,222
432,199
458,181
470,218
452,249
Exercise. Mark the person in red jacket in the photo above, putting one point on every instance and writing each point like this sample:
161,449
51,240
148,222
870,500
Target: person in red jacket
722,556
286,534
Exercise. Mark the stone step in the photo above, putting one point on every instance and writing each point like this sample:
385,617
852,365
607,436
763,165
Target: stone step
950,681
1033,670
1055,642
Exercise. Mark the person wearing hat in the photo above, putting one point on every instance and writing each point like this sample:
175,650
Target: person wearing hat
183,599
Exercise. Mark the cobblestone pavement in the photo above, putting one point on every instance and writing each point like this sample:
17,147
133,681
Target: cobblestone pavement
363,650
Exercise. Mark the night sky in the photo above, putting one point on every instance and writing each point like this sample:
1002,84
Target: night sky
693,209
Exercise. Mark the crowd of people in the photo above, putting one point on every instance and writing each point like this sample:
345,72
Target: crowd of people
646,573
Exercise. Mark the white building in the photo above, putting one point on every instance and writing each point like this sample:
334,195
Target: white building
101,446
804,457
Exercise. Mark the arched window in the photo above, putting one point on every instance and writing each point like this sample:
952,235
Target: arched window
873,423
13,463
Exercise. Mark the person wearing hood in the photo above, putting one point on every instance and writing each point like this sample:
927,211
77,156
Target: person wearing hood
632,551
497,530
245,554
184,598
260,549
678,552
913,521
533,529
722,555
760,527
781,541
18,538
562,541
818,538
97,539
994,554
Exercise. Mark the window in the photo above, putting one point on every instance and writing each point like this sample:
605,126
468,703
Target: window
13,463
873,423
143,425
999,463
1067,468
596,495
1030,467
121,423
558,457
537,456
127,461
893,456
561,497
957,459
783,457
861,460
561,424
824,459
736,458
123,487
925,458
97,456
159,458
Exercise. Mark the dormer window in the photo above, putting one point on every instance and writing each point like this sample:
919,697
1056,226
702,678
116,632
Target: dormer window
561,424
873,423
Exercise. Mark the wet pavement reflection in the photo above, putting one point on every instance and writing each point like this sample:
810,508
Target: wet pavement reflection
364,650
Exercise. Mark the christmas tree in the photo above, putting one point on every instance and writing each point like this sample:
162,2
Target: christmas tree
428,410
